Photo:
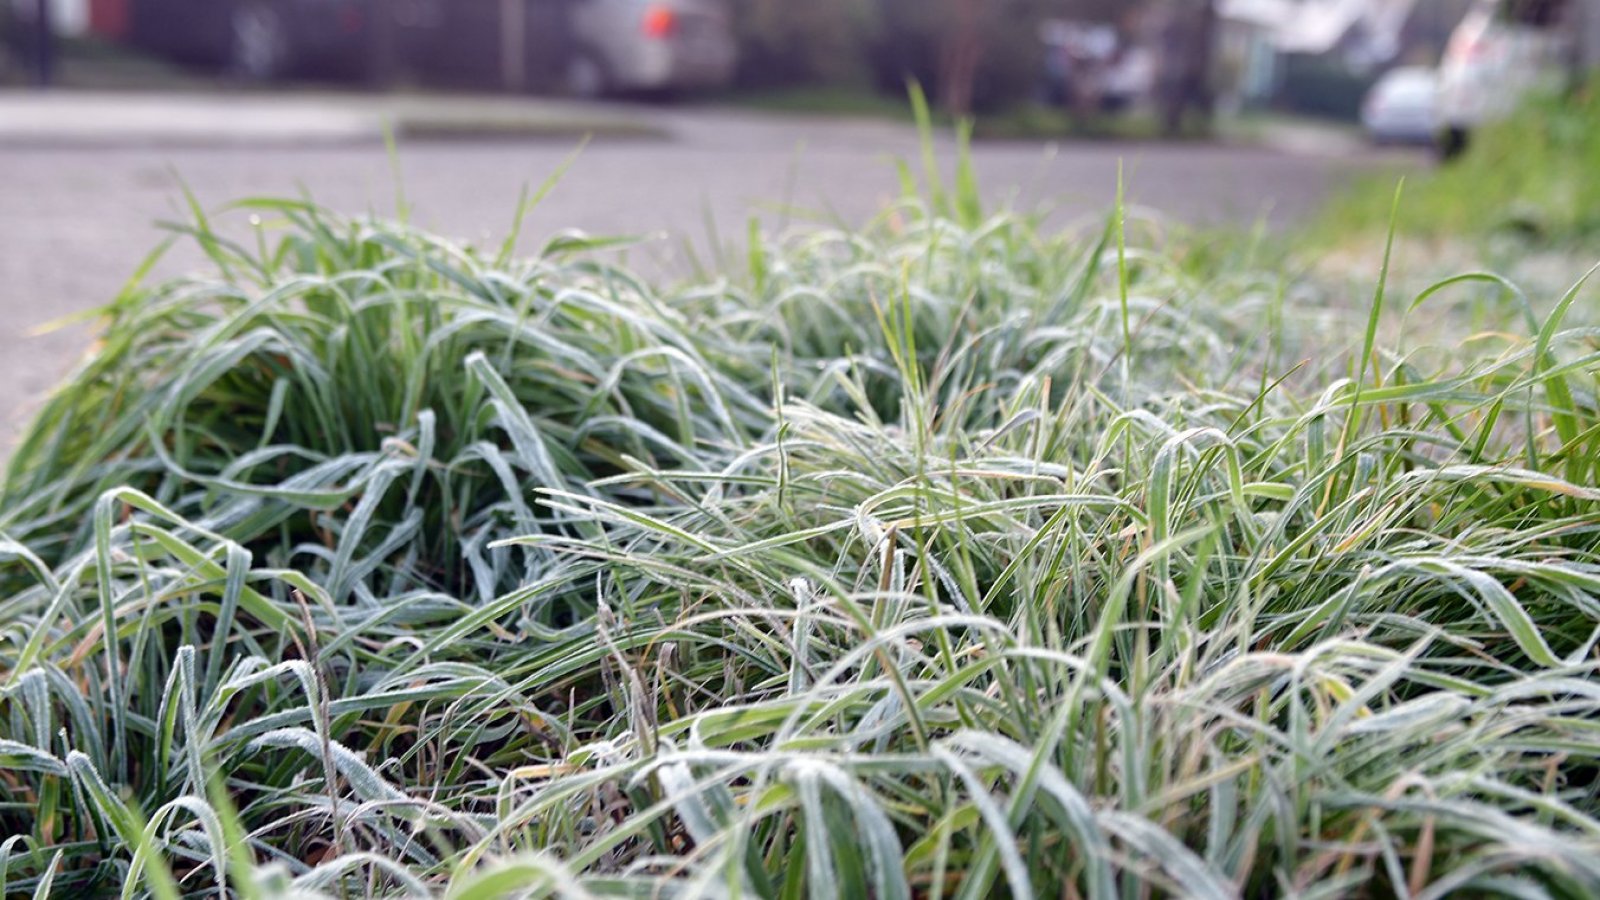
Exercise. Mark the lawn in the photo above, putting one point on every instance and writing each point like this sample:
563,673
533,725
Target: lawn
1530,178
946,557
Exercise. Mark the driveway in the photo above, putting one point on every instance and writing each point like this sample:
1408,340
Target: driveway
77,215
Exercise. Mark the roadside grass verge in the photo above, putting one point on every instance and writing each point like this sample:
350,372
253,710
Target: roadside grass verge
941,558
1530,177
1022,120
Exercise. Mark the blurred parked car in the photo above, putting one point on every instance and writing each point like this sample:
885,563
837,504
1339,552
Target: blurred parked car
1130,79
1502,51
1403,107
511,43
654,46
1090,68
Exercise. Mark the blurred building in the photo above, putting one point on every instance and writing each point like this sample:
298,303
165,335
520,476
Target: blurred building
1324,54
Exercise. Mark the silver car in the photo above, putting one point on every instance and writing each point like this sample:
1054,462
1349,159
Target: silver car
1403,107
1503,51
650,46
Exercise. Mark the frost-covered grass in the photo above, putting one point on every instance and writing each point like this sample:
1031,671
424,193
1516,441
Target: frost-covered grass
945,558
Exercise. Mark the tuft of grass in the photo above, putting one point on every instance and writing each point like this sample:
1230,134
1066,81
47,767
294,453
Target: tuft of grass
943,558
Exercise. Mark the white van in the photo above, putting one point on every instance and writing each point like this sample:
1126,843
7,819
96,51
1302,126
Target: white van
650,45
1503,51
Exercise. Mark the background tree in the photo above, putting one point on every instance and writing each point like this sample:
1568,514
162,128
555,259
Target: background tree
972,55
814,43
963,54
975,54
1186,40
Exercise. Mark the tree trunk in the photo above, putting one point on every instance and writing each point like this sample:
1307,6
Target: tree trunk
1188,48
514,45
963,53
44,44
383,39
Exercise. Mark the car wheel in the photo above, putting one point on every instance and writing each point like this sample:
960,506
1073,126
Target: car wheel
586,76
1452,143
260,41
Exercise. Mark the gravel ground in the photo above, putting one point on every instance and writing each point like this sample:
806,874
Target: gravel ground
77,218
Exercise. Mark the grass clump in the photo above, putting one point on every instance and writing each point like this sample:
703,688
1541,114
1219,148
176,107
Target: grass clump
372,367
943,558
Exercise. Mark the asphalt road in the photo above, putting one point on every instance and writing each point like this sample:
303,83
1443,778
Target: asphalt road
76,219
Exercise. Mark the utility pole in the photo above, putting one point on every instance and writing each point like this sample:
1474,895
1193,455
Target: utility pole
383,51
514,44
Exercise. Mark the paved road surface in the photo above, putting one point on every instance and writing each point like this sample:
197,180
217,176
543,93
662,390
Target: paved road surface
76,218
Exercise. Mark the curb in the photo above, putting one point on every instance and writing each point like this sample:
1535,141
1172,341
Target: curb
90,121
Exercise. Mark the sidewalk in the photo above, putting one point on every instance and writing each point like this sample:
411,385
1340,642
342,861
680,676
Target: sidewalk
1301,136
79,119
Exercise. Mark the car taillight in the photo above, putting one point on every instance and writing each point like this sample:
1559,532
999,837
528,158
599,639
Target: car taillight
660,21
1470,43
1476,48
